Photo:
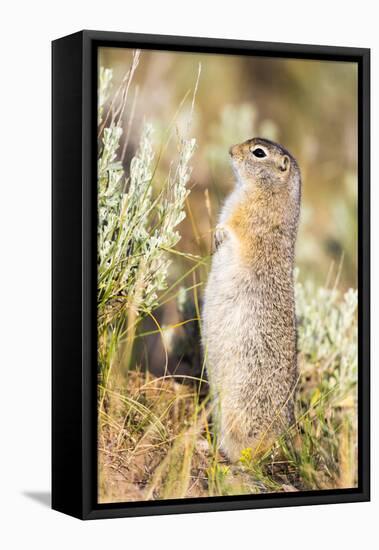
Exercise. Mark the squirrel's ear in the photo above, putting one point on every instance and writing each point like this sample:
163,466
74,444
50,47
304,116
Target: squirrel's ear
284,163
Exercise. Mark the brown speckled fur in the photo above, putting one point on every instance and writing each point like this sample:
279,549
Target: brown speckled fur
249,324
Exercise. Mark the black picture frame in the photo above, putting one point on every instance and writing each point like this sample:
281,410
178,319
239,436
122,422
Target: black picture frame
74,206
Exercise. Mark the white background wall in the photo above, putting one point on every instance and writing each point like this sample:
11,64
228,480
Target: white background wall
26,31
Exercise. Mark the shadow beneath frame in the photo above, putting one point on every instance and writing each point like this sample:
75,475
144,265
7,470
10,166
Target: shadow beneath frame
42,497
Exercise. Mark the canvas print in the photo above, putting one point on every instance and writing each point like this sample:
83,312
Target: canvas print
226,275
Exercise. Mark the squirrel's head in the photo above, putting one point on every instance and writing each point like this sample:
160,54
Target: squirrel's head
260,163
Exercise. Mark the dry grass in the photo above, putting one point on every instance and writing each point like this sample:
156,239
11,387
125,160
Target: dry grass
156,440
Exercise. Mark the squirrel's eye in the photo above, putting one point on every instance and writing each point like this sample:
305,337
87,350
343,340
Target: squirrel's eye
258,152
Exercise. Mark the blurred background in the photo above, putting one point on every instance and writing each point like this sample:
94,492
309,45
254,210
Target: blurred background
310,107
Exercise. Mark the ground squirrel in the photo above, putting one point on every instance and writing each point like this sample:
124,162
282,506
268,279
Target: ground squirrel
249,323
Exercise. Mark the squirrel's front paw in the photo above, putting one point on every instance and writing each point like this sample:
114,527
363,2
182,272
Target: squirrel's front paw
219,236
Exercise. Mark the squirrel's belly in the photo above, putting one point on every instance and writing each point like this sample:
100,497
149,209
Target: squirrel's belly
251,372
229,303
229,328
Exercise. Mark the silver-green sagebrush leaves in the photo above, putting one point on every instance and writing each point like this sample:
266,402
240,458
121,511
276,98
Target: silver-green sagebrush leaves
135,227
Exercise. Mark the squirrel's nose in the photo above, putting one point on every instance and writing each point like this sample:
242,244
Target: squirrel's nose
232,150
